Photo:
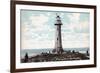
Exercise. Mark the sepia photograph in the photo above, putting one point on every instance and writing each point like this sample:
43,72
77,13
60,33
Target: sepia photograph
54,36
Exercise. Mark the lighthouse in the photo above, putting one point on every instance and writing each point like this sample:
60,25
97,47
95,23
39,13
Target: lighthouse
58,40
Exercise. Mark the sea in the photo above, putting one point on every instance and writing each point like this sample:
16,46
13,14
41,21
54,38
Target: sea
33,52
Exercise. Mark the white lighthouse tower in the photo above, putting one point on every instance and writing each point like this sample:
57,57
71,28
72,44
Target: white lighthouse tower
58,41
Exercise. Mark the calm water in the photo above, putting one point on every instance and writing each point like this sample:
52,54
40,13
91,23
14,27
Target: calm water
32,52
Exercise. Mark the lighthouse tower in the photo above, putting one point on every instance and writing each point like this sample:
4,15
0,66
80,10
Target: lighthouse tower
58,41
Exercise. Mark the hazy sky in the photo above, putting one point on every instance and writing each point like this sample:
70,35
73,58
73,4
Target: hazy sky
38,29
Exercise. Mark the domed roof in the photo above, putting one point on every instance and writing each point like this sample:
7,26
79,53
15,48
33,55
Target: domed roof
58,20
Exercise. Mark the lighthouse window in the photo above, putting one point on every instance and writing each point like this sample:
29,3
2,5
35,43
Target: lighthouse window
57,38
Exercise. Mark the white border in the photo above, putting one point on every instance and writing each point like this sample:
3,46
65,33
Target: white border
52,64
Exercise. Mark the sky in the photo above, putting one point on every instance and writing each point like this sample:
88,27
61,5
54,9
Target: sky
38,29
